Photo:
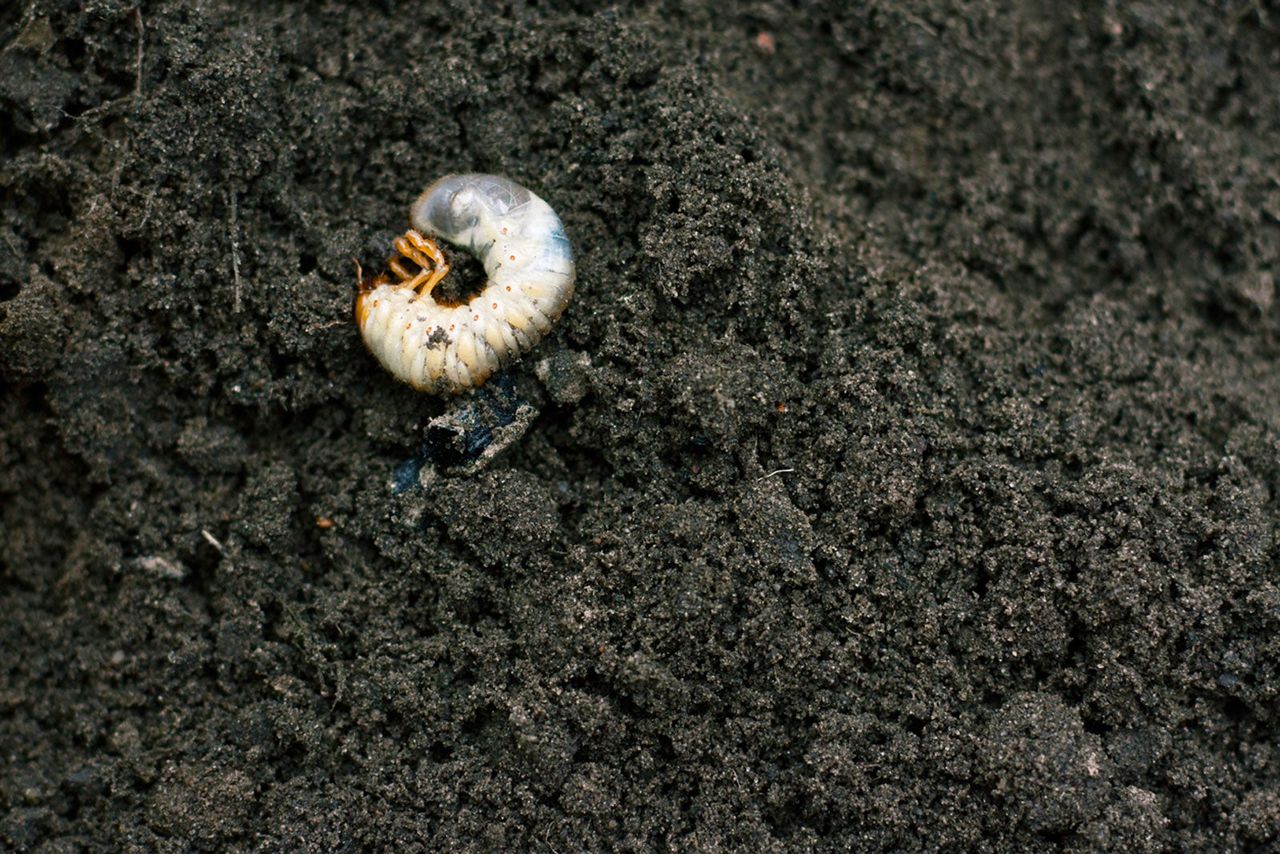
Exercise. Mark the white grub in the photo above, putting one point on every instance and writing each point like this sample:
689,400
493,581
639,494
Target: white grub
528,263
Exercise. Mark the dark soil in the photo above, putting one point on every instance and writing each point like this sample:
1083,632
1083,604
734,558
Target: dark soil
904,473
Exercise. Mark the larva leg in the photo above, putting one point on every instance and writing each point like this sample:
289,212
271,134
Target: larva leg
407,279
432,266
427,247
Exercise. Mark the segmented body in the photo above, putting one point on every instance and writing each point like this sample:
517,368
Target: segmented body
448,348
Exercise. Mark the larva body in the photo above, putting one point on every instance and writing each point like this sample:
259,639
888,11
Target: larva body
528,264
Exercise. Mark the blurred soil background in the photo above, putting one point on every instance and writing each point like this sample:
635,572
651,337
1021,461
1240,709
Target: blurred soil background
904,473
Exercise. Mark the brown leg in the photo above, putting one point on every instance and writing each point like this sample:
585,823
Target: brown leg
407,279
426,256
424,248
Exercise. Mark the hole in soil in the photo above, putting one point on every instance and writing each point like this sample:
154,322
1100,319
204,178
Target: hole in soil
74,49
9,288
466,278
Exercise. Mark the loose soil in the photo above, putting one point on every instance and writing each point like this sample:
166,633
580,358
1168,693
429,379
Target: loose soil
903,475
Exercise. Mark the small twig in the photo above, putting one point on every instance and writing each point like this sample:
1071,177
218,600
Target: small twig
142,35
318,326
772,473
9,241
211,539
920,22
235,249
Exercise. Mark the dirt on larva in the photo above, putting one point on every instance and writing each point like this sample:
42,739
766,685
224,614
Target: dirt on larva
903,475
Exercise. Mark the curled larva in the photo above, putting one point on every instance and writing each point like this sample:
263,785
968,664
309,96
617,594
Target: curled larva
528,263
